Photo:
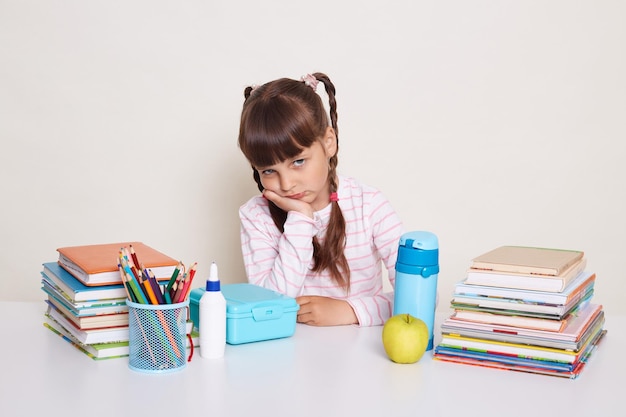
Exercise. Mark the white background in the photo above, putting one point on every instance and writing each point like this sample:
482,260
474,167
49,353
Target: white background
485,122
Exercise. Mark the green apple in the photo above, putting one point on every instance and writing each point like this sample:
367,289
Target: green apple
405,338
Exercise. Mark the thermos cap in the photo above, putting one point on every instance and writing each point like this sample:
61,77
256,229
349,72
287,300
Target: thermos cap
420,240
418,254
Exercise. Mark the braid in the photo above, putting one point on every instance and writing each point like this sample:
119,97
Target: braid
330,91
331,255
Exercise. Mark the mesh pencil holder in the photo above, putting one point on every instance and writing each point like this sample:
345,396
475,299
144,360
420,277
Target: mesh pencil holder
157,337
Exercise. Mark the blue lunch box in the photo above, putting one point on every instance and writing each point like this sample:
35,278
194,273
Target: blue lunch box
253,313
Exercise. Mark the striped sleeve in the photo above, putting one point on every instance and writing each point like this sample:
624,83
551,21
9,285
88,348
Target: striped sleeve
382,228
274,260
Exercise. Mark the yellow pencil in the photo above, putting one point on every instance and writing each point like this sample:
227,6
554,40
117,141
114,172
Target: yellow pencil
122,275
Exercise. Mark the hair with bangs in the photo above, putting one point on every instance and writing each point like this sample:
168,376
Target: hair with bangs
279,120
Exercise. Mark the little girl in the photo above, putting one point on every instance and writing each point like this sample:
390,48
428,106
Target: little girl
313,234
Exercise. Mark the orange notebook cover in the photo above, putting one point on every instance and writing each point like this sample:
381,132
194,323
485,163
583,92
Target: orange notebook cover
98,264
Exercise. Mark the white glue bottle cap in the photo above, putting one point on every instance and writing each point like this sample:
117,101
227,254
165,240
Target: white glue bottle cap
213,283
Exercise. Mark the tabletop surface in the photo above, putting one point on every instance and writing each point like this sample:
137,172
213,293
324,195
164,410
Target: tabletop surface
319,371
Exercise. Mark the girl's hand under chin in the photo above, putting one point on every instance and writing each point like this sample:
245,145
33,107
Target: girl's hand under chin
289,204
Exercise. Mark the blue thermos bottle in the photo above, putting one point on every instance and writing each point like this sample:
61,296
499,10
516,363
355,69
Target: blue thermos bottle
417,268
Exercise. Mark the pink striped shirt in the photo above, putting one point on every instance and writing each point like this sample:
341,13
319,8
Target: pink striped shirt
283,261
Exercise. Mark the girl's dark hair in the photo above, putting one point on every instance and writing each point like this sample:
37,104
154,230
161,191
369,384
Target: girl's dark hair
280,119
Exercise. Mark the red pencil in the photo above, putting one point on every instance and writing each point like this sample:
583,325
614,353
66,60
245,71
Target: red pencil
187,286
134,256
179,288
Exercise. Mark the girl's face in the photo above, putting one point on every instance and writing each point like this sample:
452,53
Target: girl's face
304,177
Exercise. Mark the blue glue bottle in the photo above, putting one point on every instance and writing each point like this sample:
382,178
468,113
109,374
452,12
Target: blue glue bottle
212,317
417,269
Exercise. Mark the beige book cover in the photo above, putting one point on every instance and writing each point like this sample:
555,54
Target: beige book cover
527,281
527,260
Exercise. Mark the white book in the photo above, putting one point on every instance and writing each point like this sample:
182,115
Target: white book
513,306
99,350
574,289
113,334
95,350
525,281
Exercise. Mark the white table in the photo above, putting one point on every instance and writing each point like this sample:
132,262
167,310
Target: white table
330,371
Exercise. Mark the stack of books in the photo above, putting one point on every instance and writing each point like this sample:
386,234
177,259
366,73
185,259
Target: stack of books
525,309
87,300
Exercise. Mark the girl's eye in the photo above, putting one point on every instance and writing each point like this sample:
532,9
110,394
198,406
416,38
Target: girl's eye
298,162
267,172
